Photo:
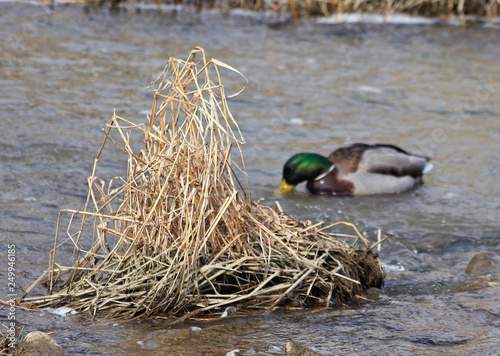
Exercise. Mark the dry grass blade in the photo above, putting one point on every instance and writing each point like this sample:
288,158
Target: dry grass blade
178,235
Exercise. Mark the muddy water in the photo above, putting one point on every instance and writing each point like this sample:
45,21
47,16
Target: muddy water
432,89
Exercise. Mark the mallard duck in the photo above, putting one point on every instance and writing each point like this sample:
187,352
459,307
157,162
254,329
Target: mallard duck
356,169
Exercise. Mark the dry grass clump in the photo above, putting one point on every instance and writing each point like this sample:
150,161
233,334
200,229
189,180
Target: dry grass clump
178,235
435,8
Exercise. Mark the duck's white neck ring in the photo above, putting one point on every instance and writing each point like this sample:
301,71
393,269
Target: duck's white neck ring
322,175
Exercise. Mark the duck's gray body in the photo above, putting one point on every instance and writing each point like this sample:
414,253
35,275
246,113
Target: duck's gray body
361,169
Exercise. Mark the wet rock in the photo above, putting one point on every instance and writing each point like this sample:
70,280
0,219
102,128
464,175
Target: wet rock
228,311
234,353
483,263
294,349
37,343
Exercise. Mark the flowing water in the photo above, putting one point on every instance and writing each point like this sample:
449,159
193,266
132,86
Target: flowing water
432,89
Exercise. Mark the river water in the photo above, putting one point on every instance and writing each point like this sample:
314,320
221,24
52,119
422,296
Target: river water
433,89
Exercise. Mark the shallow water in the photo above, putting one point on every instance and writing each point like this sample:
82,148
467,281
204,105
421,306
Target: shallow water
432,89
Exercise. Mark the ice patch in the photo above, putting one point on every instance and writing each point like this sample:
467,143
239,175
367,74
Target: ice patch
62,311
393,19
393,267
149,6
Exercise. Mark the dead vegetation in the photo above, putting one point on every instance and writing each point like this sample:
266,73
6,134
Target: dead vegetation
435,8
10,339
179,235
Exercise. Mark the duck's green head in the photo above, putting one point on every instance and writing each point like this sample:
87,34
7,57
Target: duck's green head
303,167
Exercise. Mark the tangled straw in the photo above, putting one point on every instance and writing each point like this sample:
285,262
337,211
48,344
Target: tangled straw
179,236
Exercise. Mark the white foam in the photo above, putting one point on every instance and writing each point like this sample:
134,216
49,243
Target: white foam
297,121
369,89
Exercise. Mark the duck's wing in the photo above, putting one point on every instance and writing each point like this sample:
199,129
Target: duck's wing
378,159
391,160
348,158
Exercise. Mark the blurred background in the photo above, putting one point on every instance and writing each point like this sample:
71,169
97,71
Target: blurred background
429,86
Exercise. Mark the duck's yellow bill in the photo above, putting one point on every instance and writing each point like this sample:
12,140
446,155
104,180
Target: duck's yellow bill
285,187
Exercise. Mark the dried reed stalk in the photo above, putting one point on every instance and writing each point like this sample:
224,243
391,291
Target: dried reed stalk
178,235
431,8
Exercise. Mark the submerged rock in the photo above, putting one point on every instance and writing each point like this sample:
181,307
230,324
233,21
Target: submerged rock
38,343
294,349
228,311
483,263
234,353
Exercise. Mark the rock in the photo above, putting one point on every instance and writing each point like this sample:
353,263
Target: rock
37,343
483,263
228,311
294,349
234,353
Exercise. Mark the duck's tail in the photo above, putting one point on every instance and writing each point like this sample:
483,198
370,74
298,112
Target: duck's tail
428,167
